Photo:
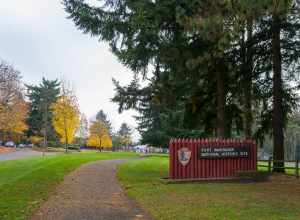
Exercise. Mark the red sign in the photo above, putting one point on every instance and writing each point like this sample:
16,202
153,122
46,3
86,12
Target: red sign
210,159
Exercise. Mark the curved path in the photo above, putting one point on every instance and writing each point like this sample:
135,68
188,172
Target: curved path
91,192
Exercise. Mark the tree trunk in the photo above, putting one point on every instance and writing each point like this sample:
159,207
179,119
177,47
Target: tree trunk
66,144
66,147
66,134
221,102
100,145
248,82
278,136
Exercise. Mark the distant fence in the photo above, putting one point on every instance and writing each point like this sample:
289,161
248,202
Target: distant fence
146,150
291,166
210,158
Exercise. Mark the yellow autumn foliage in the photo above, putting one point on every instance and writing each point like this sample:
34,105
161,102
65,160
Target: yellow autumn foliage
99,136
93,141
65,118
36,140
13,116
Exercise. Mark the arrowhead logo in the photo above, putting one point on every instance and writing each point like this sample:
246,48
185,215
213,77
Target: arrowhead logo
184,156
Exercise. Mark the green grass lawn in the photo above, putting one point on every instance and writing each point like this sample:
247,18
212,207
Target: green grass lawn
273,200
25,183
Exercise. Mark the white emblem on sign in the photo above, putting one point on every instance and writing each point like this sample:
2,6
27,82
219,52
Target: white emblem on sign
184,155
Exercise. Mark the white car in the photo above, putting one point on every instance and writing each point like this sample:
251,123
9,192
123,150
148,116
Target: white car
10,144
21,145
30,145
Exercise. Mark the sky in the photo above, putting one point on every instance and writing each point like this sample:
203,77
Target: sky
38,40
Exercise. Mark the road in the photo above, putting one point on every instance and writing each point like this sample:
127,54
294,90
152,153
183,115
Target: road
20,153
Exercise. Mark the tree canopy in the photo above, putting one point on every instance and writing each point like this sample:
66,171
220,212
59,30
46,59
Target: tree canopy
66,117
102,117
124,134
41,98
13,107
212,68
99,136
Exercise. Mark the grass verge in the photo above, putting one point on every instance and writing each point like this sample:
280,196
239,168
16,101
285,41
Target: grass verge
25,183
277,199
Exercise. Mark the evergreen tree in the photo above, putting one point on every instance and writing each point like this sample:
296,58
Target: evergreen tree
218,68
41,98
124,134
102,117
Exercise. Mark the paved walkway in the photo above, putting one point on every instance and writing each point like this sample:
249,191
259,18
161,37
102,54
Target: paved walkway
19,153
91,192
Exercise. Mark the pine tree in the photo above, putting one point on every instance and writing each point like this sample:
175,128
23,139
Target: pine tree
218,68
102,117
41,98
125,134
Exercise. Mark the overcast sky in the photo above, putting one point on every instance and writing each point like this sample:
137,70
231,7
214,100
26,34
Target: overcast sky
38,39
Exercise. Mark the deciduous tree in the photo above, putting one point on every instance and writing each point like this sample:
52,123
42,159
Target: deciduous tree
83,129
66,116
13,108
125,134
99,136
101,116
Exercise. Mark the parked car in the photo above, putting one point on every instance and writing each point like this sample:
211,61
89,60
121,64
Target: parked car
10,144
21,145
29,145
140,149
